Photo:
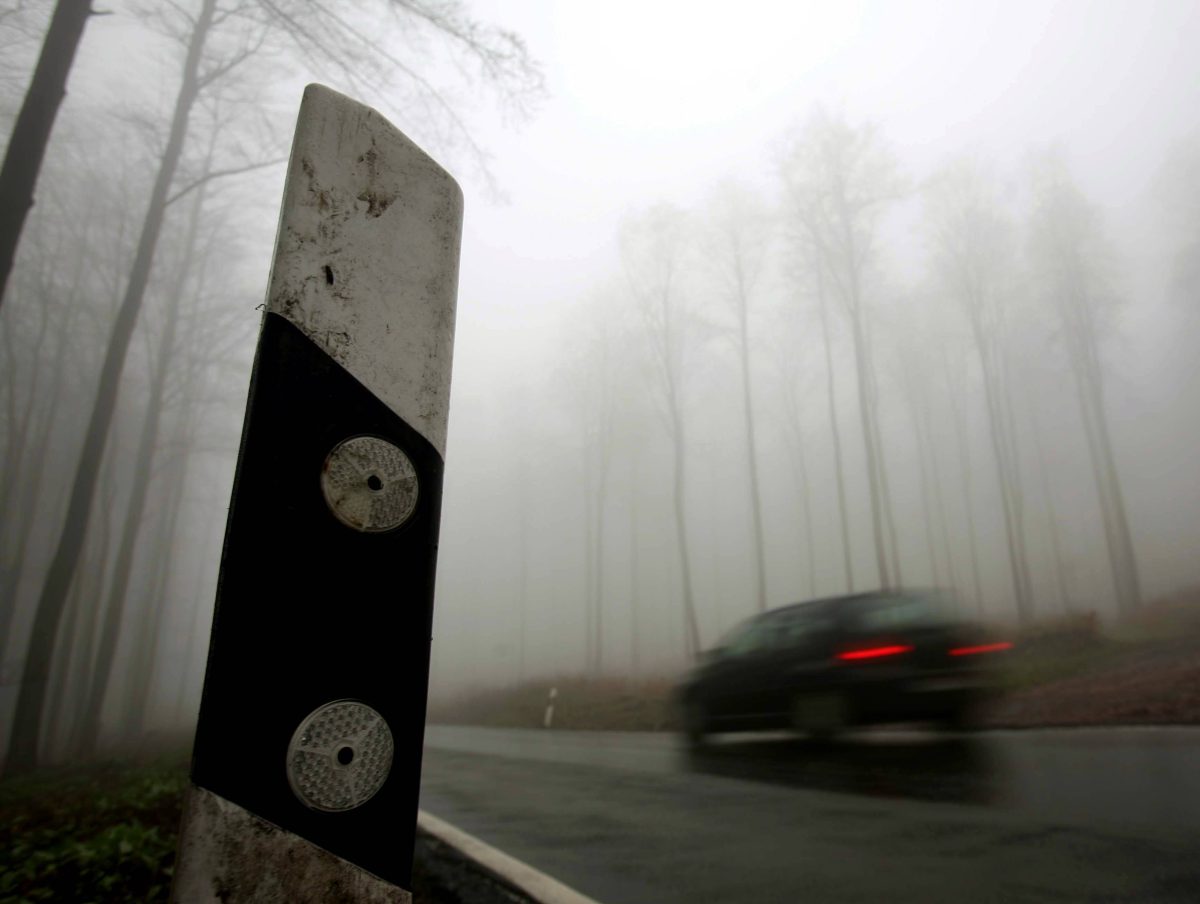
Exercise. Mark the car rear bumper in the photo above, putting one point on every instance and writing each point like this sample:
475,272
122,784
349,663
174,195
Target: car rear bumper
935,697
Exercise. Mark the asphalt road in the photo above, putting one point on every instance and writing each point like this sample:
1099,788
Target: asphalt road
1054,815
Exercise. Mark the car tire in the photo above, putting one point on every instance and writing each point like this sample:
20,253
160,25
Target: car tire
822,715
695,722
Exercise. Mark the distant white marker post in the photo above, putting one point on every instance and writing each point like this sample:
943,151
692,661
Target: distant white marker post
307,758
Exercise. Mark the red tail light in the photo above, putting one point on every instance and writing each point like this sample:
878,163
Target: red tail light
982,648
875,652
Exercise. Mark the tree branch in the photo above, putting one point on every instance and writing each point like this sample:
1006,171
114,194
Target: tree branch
222,173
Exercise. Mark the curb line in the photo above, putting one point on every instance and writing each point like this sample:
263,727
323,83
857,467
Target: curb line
537,885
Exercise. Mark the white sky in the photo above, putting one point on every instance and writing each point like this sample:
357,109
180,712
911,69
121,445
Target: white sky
660,101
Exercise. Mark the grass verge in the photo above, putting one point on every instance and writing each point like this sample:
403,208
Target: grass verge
101,833
95,833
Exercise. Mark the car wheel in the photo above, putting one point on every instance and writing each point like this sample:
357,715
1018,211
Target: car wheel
821,716
695,722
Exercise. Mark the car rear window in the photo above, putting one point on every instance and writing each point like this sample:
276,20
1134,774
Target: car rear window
892,613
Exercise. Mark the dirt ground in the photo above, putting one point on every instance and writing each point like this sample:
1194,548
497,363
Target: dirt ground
1158,685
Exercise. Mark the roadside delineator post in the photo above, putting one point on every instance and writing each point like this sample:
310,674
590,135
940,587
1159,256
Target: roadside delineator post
307,756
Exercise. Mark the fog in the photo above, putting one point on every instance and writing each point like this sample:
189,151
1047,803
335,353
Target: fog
754,307
698,102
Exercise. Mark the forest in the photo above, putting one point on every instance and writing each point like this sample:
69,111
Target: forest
848,366
763,408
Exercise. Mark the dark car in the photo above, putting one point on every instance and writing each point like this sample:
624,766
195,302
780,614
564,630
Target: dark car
825,665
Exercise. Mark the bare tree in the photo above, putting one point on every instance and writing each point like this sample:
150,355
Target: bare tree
216,42
918,410
164,361
911,339
75,661
597,454
523,569
739,234
22,753
635,662
60,298
1060,568
973,254
839,180
809,278
653,251
834,429
959,416
591,379
797,447
1070,257
31,132
352,51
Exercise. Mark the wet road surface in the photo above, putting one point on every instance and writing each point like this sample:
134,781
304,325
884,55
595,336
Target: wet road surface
1051,815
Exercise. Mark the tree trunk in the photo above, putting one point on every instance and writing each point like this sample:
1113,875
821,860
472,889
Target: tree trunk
589,565
806,510
1016,482
16,434
73,656
31,131
876,476
867,422
690,623
27,722
935,471
1060,572
118,589
185,714
1122,560
178,359
19,519
81,673
889,515
751,448
940,501
835,432
1085,362
635,666
959,416
923,469
598,610
25,485
523,578
69,647
803,490
148,629
1009,480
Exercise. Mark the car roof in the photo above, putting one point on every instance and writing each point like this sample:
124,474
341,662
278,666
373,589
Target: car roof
837,602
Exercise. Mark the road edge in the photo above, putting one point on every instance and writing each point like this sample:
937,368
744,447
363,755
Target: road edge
538,886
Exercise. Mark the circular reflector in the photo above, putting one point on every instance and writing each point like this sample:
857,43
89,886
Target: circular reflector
369,484
339,756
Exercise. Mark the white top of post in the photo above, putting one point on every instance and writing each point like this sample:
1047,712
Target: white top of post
366,259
